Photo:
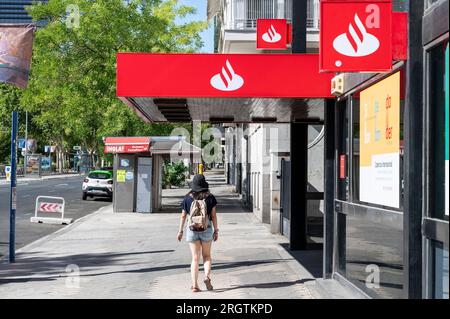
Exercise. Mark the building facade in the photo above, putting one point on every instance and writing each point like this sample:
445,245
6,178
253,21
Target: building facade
14,11
402,238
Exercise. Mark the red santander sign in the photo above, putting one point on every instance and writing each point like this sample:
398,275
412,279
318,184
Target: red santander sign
272,34
356,36
221,75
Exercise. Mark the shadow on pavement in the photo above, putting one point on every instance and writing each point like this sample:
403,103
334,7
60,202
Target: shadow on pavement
217,266
50,268
54,267
311,260
266,285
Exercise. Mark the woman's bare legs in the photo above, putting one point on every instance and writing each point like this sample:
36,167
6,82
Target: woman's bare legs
195,251
206,254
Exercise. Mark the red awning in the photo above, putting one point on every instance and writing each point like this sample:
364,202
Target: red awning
129,145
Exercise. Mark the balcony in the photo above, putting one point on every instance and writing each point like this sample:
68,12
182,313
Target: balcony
243,14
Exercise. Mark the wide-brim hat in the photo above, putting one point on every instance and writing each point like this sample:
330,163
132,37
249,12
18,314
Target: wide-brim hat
199,183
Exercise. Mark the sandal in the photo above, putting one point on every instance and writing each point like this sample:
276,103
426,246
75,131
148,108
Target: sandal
195,289
207,282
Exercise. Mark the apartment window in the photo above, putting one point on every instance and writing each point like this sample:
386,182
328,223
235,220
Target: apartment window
247,12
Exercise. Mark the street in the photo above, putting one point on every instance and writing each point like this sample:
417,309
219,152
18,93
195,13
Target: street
26,232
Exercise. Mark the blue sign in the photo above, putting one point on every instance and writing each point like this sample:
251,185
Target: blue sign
129,176
21,143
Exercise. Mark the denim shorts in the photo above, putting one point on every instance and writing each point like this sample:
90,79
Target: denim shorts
203,236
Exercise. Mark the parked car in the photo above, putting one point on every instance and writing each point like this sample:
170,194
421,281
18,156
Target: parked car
98,183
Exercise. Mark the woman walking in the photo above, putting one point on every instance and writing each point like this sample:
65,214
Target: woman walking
199,208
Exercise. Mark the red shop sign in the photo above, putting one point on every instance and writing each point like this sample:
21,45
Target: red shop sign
356,36
127,145
272,34
221,75
126,149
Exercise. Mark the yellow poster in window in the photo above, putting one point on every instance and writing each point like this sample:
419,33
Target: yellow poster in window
121,176
380,143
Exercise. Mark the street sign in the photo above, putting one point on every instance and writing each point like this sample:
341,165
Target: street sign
77,148
56,205
356,36
50,207
21,143
8,173
272,34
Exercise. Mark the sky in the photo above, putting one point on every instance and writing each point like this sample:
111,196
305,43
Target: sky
207,35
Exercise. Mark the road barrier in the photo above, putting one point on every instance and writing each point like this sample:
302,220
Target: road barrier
56,206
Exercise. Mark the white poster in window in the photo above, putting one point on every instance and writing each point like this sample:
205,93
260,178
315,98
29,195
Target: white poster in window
380,143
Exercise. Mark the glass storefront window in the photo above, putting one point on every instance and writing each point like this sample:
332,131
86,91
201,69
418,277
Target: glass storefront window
439,277
370,249
375,133
436,214
370,234
437,133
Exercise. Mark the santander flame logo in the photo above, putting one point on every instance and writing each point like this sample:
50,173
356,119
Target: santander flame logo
227,80
357,42
271,36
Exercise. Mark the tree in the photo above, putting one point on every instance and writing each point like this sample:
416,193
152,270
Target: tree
10,99
174,174
72,89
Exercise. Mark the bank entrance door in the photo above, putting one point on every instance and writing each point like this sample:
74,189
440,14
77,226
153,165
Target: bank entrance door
307,187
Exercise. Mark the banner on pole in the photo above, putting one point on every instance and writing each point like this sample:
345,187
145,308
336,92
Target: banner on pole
16,50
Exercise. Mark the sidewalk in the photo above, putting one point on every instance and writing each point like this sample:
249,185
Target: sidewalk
137,256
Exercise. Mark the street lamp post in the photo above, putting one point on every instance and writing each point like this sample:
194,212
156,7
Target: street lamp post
13,193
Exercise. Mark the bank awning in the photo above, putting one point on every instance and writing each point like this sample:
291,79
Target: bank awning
223,87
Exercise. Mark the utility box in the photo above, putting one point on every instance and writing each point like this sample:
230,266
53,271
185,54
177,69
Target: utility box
124,183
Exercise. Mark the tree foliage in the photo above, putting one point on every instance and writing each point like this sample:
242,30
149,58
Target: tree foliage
174,174
72,90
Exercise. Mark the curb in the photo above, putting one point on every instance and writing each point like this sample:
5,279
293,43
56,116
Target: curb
43,178
65,229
